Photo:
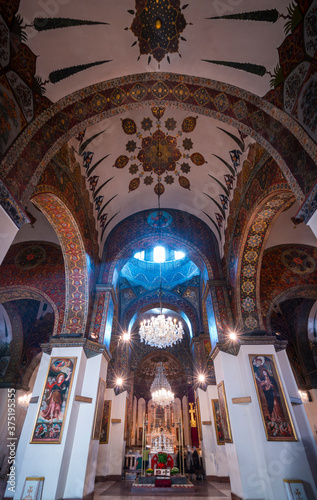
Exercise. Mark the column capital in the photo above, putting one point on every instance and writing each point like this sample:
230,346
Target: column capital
233,346
107,287
90,347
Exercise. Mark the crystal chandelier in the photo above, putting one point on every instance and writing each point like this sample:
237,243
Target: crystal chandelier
161,388
160,331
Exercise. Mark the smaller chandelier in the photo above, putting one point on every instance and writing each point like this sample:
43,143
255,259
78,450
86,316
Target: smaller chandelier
160,331
161,388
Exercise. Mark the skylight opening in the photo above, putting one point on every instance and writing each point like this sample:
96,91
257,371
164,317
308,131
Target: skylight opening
178,255
140,255
159,254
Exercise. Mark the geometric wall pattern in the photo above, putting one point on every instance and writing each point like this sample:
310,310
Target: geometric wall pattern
76,273
278,133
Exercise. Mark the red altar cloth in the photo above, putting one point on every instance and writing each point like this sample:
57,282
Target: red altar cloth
163,483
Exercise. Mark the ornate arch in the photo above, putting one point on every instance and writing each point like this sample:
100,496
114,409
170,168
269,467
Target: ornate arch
10,293
12,373
298,291
76,272
253,241
279,133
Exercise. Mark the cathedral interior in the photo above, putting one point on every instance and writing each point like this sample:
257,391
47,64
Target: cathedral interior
158,158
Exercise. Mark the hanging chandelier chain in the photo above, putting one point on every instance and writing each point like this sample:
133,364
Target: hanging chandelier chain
160,332
161,388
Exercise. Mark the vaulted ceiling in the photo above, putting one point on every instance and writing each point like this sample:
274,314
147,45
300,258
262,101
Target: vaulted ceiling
128,158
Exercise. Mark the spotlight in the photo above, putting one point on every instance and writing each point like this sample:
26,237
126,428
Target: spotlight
126,337
304,396
201,377
119,381
232,336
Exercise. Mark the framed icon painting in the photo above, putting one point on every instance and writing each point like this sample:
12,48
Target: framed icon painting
52,411
105,423
217,420
223,408
275,413
99,409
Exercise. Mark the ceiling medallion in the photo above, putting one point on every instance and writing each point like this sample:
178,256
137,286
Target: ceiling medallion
157,24
158,155
161,388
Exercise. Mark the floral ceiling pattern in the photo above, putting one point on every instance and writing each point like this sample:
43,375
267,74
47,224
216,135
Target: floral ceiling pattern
159,156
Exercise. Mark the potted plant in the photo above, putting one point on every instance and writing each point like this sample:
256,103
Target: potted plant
149,472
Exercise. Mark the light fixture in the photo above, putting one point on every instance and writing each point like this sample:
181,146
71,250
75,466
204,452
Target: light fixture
126,337
159,331
304,395
24,401
119,381
201,377
161,388
232,336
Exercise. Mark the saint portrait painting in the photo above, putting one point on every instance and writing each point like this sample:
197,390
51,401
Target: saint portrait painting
217,420
53,407
105,423
223,410
275,413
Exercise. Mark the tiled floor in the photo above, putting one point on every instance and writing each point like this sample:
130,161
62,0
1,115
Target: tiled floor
118,490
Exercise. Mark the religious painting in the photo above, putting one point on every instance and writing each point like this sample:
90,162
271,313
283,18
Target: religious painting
51,415
141,434
223,408
126,433
218,424
200,434
274,410
105,423
99,409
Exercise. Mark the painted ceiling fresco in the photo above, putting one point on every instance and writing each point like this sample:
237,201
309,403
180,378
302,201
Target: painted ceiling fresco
160,157
158,26
191,161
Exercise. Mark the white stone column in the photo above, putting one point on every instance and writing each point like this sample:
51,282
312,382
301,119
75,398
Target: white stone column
111,455
257,466
311,412
69,467
214,455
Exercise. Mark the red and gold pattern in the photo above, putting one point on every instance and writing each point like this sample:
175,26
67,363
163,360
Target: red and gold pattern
75,261
159,152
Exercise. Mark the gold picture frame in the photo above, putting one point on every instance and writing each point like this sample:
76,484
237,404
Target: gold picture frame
223,408
217,421
275,412
99,409
105,424
51,414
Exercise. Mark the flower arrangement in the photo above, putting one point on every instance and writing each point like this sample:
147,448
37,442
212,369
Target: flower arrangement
162,459
149,471
174,470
